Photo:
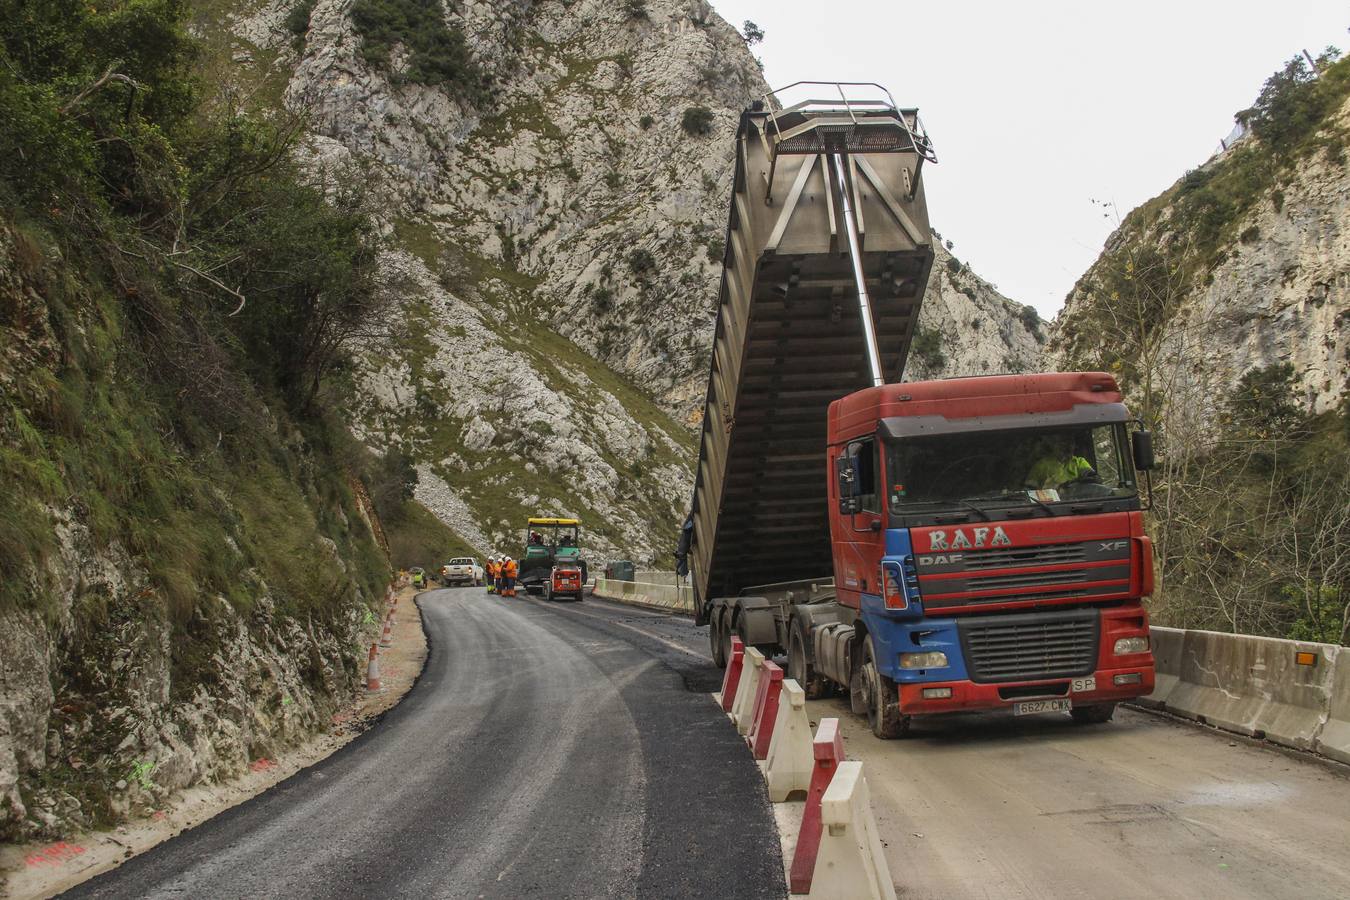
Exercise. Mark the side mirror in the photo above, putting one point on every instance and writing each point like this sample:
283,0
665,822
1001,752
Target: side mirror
849,500
1141,445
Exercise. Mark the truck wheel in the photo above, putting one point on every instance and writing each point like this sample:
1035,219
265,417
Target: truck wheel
815,686
717,640
1095,714
883,700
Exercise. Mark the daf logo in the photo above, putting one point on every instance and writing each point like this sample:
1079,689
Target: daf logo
941,559
984,537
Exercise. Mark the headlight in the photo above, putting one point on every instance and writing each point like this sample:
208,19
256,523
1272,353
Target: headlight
934,659
1129,645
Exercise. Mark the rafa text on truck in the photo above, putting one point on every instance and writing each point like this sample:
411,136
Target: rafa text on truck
929,547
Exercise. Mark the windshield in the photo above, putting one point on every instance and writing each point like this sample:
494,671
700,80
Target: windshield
1046,465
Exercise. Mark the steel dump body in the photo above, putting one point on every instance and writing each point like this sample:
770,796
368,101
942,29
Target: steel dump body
790,332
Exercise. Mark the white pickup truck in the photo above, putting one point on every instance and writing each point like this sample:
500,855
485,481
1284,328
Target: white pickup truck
462,570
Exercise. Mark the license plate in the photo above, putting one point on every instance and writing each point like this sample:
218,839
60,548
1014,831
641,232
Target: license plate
1030,707
1080,685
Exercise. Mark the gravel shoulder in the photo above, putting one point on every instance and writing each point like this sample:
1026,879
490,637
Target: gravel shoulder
44,870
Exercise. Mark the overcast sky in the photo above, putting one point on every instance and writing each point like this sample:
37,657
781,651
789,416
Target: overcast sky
1036,108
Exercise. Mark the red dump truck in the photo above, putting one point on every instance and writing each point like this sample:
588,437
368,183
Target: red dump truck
927,547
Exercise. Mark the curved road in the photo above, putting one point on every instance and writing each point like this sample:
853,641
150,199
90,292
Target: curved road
545,751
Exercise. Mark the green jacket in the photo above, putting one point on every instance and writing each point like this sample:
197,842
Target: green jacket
1051,472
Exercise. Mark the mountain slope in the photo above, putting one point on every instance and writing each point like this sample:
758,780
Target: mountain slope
1223,306
560,210
1242,265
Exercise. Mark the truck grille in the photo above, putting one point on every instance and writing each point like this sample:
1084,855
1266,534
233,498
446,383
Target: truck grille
1031,579
1030,646
1043,555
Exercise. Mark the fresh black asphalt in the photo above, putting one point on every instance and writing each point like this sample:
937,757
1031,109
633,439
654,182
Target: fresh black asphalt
547,750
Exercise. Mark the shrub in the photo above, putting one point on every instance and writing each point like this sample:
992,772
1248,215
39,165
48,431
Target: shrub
602,300
752,33
641,261
953,265
437,54
697,120
1294,102
927,347
297,20
646,122
1031,321
635,9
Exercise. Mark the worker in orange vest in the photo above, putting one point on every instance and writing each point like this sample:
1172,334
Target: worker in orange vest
509,571
492,573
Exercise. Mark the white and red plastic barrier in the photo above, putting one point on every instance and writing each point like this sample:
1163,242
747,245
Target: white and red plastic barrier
838,853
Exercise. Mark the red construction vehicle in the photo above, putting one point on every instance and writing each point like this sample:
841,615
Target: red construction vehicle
928,547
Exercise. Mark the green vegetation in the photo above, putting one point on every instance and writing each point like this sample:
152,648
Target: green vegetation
418,538
646,122
436,53
1030,319
177,304
927,348
641,261
1251,517
297,20
697,120
1258,519
1295,102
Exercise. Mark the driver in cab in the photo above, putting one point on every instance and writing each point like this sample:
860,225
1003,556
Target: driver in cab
1057,465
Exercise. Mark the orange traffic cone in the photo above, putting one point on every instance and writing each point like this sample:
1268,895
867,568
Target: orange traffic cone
373,670
387,638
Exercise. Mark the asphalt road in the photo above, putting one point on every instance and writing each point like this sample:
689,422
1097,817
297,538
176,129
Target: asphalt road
1146,806
548,750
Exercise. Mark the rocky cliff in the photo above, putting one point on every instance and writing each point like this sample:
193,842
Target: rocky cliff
1242,265
1223,306
561,244
167,617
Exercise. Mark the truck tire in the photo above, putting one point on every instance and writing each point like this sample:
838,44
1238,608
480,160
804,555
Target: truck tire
717,640
883,700
1095,714
800,670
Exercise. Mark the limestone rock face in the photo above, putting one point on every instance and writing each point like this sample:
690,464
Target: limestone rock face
562,248
966,327
1285,296
1279,293
99,713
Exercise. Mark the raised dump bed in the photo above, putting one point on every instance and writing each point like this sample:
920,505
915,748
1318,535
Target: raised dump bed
832,175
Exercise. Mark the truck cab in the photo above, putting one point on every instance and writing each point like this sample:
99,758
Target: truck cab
988,547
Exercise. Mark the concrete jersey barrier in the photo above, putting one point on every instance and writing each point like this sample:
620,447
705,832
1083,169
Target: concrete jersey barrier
1294,693
646,593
